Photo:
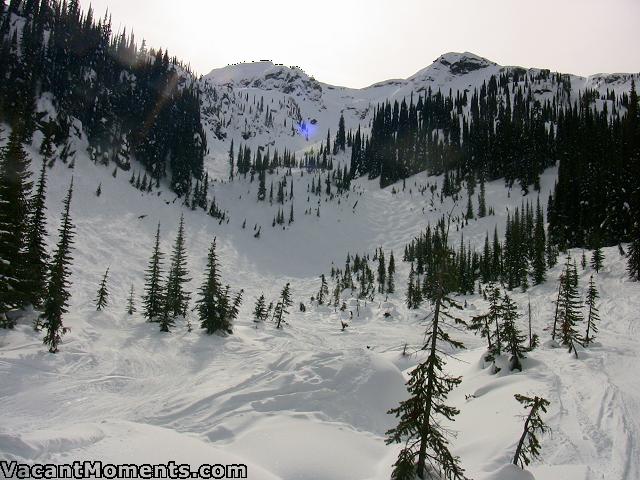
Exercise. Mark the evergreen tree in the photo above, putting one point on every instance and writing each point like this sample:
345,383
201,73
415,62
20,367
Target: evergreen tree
529,446
131,305
153,299
482,205
36,256
420,427
597,259
569,314
382,272
15,188
513,338
341,139
283,303
176,297
593,317
215,309
260,310
469,214
391,270
633,263
489,325
539,242
57,297
262,189
166,321
324,290
102,297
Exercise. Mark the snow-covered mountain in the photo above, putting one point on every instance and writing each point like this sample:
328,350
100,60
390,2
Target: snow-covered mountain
236,97
309,401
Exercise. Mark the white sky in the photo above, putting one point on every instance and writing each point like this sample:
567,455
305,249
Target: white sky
358,42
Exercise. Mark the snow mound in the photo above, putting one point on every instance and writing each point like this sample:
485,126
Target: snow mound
510,472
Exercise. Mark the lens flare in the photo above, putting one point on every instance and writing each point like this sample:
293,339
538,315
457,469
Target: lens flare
307,129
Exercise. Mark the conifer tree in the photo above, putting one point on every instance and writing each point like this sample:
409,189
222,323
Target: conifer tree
324,290
166,321
391,270
57,297
539,261
15,187
482,205
420,429
260,310
283,303
153,299
131,305
597,259
382,272
569,314
215,310
36,256
529,446
633,262
262,189
593,316
176,297
102,297
469,214
488,324
513,338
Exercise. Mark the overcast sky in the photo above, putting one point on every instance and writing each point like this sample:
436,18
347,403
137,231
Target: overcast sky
358,42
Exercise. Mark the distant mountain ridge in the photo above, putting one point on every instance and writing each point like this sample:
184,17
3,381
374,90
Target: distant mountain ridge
293,96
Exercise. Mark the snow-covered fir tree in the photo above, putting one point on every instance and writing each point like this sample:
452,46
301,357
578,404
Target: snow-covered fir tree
57,297
102,297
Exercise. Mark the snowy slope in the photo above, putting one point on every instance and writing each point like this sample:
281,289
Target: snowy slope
309,401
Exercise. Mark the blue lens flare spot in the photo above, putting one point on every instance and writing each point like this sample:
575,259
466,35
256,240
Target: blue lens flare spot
307,129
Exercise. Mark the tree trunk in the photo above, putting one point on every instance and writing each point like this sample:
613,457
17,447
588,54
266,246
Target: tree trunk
523,437
422,454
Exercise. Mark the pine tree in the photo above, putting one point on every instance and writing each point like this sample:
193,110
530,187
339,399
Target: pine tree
419,428
469,214
569,314
633,262
529,446
36,256
489,325
131,306
513,338
102,297
593,317
153,299
15,188
391,270
215,310
597,259
539,241
482,205
262,189
382,272
324,290
176,297
283,303
260,310
57,297
166,321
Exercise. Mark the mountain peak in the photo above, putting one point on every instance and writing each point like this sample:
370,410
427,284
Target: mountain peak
462,63
245,74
